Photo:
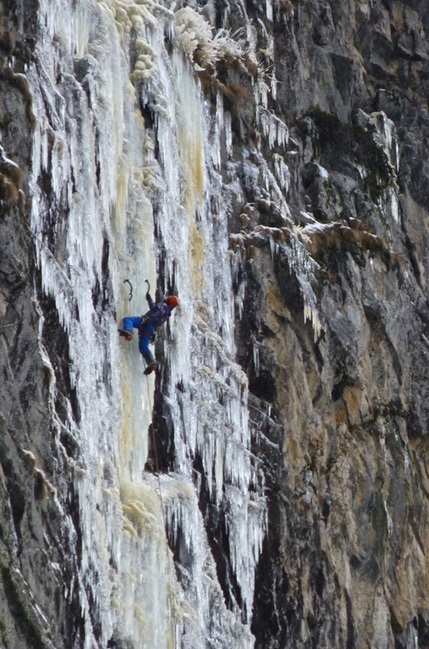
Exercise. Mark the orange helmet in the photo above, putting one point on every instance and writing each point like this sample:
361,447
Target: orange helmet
173,301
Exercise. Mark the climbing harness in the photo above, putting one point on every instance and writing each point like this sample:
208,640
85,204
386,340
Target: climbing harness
127,281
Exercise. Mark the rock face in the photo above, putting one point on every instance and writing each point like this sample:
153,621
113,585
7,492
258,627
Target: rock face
344,562
38,554
322,181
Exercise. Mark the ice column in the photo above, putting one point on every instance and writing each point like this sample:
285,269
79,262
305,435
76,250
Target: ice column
93,228
100,70
206,389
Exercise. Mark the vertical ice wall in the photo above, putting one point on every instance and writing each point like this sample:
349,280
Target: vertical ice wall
209,411
107,97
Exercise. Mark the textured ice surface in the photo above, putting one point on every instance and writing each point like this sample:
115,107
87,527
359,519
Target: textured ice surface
97,65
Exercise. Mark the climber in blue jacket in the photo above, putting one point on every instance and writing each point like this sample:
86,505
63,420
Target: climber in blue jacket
147,324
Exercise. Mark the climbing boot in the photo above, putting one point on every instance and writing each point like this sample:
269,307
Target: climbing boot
127,334
150,368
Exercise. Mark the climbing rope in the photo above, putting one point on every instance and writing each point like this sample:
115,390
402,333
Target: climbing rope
169,566
153,430
156,453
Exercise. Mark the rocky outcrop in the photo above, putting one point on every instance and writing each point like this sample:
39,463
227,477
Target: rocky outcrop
342,344
37,547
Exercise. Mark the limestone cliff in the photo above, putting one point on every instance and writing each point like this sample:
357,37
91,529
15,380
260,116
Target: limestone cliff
345,562
268,162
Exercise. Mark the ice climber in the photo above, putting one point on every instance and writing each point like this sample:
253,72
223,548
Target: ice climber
147,324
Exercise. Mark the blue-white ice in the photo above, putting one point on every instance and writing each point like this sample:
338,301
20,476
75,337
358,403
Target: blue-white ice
108,188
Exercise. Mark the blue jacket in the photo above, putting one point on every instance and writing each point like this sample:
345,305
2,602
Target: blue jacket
158,313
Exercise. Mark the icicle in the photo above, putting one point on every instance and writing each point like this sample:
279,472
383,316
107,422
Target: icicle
240,295
392,197
273,248
273,128
282,172
261,94
228,133
304,267
255,348
311,314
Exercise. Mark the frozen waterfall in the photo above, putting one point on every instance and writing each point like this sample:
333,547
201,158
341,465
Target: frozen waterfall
126,184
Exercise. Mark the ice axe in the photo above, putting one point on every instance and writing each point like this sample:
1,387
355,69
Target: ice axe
127,281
